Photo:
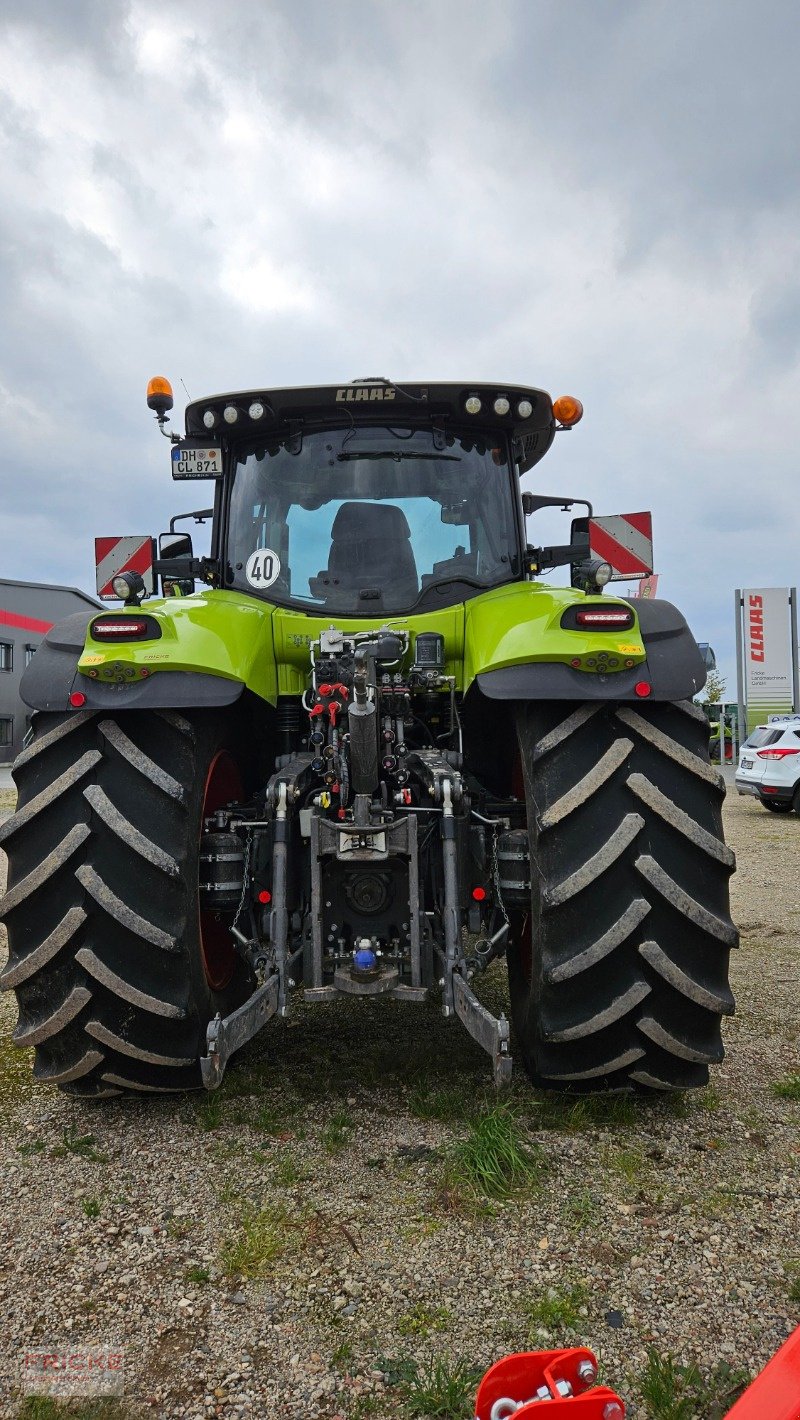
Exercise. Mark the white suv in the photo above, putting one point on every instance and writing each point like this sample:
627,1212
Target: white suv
769,764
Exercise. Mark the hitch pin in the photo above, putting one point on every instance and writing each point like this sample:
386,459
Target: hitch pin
505,1406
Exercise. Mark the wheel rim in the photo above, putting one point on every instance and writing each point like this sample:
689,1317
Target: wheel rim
223,786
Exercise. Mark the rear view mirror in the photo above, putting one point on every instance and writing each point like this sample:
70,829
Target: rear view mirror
456,514
176,549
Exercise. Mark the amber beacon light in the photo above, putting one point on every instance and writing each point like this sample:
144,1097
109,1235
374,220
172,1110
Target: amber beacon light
567,410
159,394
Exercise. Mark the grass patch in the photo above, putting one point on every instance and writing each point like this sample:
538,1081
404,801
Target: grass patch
83,1146
717,1202
261,1236
16,1074
208,1112
180,1228
40,1407
198,1275
572,1113
673,1391
786,1089
557,1310
792,1270
708,1099
336,1134
421,1320
423,1226
272,1119
581,1210
91,1207
628,1163
36,1146
450,1103
438,1390
288,1172
495,1160
342,1356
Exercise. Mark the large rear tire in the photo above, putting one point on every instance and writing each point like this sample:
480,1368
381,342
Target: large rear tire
114,976
619,975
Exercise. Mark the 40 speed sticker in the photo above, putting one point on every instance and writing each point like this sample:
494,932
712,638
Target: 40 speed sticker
263,568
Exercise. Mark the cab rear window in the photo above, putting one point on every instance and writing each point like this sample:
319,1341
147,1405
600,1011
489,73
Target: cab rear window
761,737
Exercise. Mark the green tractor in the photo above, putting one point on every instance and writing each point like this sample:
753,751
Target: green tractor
374,752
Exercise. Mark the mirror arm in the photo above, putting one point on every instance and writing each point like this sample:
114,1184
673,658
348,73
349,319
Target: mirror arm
532,502
182,569
199,517
558,556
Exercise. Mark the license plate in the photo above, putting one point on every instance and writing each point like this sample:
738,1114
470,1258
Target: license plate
747,764
196,461
362,842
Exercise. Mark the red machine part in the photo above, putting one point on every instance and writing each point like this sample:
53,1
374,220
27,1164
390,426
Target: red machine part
518,1383
775,1394
513,1386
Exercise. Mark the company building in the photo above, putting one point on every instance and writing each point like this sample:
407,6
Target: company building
27,611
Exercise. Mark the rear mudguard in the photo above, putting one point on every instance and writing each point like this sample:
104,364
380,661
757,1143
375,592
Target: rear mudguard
673,667
196,663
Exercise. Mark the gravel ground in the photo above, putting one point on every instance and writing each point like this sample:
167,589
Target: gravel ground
322,1162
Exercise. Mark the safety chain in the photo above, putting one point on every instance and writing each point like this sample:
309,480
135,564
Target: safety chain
496,878
248,853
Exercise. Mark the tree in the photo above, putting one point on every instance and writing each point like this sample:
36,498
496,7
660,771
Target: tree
715,688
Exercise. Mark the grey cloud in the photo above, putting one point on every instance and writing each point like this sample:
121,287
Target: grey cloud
589,200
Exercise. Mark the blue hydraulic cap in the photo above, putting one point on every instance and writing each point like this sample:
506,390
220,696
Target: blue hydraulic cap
364,959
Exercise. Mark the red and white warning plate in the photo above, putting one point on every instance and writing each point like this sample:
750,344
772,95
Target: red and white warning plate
626,541
113,555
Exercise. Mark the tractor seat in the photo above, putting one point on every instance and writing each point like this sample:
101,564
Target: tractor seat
370,552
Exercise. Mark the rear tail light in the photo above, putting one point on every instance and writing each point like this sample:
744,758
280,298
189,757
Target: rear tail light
124,628
613,619
118,629
776,753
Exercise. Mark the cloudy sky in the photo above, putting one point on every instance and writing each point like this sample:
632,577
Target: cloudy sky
598,198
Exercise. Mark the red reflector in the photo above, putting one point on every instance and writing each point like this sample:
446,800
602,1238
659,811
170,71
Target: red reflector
576,662
265,896
775,753
642,688
600,619
77,699
479,894
118,630
766,789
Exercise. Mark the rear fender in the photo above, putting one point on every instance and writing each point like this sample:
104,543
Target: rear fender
668,660
212,646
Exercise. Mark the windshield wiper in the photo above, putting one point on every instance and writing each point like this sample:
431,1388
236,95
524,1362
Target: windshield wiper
397,455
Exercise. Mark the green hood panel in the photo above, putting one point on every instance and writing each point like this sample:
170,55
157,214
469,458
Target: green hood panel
266,648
